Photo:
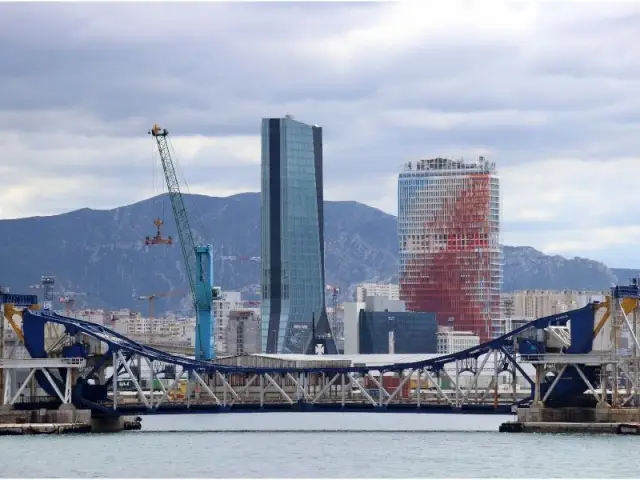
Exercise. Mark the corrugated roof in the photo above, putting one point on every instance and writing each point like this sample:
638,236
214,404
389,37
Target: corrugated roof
378,359
367,359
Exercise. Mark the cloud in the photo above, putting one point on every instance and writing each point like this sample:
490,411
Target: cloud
548,90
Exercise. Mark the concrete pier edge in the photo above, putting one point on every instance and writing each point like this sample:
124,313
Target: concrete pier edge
601,419
63,420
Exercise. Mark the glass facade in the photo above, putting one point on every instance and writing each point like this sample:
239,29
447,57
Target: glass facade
293,286
397,332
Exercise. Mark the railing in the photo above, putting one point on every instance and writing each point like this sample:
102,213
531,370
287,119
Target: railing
22,363
36,399
568,358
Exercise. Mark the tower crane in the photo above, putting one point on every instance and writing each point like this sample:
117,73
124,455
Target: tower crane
152,298
198,259
68,299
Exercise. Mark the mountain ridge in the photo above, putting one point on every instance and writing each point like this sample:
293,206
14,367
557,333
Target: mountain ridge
102,252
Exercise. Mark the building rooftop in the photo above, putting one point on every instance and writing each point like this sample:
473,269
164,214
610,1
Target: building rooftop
366,359
482,165
369,360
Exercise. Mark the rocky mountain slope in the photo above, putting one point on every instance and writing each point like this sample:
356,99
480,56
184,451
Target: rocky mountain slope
102,253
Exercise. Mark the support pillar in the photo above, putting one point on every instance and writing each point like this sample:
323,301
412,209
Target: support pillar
537,401
603,404
2,377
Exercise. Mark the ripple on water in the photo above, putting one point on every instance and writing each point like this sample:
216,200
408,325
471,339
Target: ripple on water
308,445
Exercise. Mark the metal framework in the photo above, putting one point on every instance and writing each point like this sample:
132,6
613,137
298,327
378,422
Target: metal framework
571,356
456,382
10,304
47,282
449,229
604,370
70,366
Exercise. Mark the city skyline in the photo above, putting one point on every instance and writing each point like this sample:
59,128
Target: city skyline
539,89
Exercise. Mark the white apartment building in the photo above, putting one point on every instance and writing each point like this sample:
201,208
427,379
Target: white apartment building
542,303
523,306
387,290
511,323
228,302
450,341
242,334
167,327
222,308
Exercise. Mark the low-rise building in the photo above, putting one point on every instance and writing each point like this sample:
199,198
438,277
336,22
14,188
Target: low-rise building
391,332
387,290
381,325
451,341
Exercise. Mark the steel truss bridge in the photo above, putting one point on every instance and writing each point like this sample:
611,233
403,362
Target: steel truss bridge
77,368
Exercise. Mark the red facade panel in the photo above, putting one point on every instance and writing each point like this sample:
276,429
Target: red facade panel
453,271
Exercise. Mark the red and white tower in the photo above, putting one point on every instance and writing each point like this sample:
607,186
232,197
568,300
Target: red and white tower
449,241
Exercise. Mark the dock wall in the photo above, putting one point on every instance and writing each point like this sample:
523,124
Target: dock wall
45,416
579,415
64,420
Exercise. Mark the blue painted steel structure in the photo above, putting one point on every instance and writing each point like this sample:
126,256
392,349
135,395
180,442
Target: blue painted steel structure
18,300
527,340
205,318
570,384
197,258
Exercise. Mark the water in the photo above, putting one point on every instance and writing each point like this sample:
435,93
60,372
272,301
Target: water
312,445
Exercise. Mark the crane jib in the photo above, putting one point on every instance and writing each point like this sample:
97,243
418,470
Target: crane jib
185,235
197,258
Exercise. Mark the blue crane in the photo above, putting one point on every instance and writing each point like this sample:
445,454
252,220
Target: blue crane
198,259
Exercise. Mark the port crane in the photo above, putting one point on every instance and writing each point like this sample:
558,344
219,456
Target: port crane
198,259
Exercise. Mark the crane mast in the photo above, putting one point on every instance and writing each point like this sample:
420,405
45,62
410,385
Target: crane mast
198,259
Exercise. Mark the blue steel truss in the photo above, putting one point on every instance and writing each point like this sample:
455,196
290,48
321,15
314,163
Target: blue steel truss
527,340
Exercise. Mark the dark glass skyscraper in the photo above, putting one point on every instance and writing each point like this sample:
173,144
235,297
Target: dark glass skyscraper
293,286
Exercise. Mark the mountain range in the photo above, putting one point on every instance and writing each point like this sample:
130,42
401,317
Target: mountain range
100,254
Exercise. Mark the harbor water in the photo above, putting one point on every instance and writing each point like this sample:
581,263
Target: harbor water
352,445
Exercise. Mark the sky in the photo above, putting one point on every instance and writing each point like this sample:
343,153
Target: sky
550,91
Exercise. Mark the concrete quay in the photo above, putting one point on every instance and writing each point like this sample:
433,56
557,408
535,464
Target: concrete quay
599,414
43,428
571,427
66,420
602,419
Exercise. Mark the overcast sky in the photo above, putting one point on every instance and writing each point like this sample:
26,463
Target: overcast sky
550,92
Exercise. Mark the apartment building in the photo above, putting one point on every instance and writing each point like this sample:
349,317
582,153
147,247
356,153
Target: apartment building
387,290
451,341
243,332
532,304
